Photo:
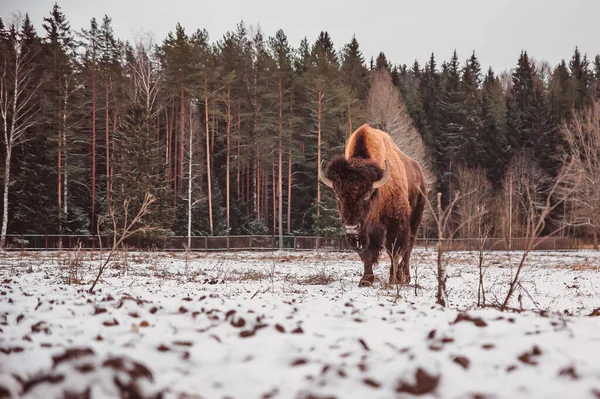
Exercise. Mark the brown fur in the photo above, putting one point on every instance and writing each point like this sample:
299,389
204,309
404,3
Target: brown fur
392,215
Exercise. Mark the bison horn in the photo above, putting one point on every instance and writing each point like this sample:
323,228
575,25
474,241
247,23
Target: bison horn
324,178
385,178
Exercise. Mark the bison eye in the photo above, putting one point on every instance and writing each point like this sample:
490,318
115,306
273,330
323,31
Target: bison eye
368,197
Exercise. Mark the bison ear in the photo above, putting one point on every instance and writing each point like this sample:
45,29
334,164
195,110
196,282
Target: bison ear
385,178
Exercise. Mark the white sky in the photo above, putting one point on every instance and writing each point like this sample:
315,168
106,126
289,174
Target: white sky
404,30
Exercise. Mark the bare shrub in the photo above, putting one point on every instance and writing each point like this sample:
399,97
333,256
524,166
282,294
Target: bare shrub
129,229
536,207
582,137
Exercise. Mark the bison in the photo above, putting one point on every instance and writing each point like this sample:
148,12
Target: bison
381,195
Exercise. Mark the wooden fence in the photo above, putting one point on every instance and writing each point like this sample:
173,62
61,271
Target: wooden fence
270,243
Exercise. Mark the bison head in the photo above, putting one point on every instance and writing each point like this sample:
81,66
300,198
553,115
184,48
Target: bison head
355,183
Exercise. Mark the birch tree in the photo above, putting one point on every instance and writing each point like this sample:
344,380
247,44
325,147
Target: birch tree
18,107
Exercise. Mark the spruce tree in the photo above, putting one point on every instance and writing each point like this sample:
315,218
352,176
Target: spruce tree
470,87
493,141
580,80
140,169
354,71
561,100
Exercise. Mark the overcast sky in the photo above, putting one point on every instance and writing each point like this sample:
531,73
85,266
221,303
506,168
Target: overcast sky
405,30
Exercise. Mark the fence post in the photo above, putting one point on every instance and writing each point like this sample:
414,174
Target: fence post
250,243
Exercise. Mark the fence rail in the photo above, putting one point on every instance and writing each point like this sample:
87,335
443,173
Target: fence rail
270,242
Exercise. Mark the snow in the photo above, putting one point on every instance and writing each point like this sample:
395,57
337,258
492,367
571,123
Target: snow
296,325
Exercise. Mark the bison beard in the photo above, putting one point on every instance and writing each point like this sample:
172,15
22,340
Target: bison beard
379,207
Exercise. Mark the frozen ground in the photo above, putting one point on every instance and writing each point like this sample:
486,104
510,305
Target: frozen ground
295,325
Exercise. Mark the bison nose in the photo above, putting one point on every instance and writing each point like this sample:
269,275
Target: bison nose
351,228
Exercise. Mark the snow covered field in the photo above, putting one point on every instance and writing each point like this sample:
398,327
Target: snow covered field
295,325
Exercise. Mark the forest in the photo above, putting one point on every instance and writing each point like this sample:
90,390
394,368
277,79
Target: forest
227,133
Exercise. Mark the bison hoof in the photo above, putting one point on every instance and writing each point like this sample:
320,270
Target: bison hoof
366,281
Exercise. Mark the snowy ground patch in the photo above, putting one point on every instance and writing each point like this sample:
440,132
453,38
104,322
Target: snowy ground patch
296,325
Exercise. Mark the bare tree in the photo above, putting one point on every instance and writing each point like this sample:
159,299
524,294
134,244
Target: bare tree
17,103
582,136
387,111
471,207
537,208
146,73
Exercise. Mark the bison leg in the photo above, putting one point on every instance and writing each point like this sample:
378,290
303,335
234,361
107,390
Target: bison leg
415,222
370,257
397,244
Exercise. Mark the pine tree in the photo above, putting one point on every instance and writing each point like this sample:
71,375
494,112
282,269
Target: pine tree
140,169
353,69
580,80
493,142
520,98
382,62
58,87
90,64
470,87
451,135
561,99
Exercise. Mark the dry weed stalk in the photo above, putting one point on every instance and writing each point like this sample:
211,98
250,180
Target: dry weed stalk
442,222
128,229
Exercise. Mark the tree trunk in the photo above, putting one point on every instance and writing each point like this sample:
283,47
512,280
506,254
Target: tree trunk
595,240
319,105
289,204
59,173
349,122
107,140
280,176
275,194
189,244
65,170
6,188
182,138
93,218
227,159
258,192
209,181
112,145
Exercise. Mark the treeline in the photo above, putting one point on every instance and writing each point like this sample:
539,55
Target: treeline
227,134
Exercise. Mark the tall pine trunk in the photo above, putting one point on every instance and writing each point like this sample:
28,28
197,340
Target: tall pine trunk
319,110
107,139
280,176
227,160
182,138
289,204
274,191
93,218
65,159
59,171
208,175
190,205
